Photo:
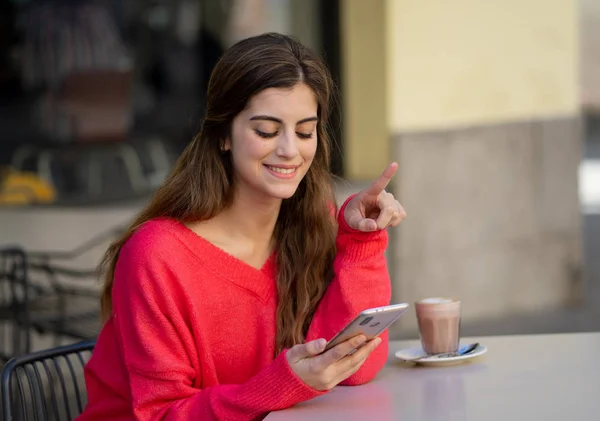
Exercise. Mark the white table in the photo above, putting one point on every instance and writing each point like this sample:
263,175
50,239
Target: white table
530,377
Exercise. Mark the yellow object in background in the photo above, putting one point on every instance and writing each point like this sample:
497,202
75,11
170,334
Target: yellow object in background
24,188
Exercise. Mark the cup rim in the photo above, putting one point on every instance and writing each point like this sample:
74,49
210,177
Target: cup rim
453,301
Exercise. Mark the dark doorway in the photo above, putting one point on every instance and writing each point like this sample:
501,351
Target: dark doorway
330,30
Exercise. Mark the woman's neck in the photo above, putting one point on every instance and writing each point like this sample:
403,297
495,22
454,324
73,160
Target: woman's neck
251,219
245,229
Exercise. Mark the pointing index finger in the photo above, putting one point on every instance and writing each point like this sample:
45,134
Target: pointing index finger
384,179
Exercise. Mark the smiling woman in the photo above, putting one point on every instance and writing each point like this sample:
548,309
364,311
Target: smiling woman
273,141
219,299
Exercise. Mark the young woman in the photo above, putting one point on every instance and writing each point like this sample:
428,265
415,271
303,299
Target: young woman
220,298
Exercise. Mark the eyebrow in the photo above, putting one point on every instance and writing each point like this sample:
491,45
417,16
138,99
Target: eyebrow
277,120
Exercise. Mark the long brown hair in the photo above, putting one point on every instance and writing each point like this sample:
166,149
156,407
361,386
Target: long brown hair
201,183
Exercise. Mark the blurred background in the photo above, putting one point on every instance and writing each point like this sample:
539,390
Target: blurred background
491,109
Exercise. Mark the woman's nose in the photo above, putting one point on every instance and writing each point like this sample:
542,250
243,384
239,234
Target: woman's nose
287,145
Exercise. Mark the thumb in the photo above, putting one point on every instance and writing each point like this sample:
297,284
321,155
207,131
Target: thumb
309,349
366,224
355,218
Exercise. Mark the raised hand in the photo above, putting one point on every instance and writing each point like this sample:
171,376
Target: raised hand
373,208
324,371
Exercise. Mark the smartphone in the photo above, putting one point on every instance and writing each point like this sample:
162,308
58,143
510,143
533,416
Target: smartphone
370,322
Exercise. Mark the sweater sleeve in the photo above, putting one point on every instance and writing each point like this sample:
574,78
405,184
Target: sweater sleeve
361,280
163,380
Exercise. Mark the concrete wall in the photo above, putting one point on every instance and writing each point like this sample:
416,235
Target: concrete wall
494,217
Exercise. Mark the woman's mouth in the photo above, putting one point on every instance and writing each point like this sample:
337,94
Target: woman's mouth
282,172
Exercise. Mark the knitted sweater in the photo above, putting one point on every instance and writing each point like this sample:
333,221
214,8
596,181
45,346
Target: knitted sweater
192,333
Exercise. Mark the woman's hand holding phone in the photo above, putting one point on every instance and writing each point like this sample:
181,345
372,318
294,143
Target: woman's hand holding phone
324,370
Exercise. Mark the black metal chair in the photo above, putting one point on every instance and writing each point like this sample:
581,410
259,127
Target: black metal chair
76,310
47,385
45,305
14,296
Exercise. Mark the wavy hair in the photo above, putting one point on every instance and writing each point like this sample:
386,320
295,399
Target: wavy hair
201,183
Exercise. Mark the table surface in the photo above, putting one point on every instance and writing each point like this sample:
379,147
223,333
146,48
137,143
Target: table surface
536,377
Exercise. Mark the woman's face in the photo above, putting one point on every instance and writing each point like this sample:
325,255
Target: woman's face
274,140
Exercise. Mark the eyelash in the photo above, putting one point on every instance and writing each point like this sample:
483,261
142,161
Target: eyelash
271,135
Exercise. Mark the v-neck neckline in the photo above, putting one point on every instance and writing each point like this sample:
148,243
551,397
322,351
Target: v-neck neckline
225,264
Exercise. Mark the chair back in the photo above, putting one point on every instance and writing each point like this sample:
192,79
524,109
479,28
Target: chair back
47,385
14,296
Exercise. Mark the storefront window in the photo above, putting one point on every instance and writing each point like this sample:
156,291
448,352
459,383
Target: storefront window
99,71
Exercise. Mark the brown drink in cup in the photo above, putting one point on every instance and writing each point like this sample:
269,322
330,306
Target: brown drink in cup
439,324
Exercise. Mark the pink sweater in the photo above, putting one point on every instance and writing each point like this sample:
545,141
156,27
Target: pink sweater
192,332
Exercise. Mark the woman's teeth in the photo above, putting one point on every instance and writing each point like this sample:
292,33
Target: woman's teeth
281,170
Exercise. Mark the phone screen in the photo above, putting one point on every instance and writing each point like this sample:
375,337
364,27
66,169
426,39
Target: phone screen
370,322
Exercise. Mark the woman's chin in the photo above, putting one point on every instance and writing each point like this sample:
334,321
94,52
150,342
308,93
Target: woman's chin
282,192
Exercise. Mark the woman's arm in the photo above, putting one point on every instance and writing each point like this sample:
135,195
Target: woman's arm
361,280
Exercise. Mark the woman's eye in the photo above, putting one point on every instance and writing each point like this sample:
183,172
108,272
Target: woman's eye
304,135
266,135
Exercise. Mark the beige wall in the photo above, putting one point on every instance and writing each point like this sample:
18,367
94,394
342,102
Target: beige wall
414,65
590,53
366,138
463,62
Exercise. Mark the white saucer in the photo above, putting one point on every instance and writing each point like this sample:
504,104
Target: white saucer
410,353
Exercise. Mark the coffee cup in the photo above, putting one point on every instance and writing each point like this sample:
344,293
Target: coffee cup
439,324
